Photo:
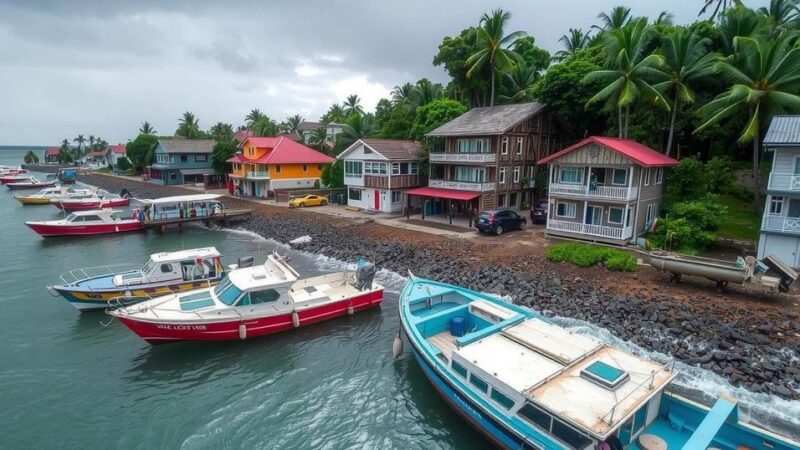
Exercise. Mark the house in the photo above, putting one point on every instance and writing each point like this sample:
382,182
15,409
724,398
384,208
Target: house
306,130
378,172
780,226
267,164
605,189
98,157
51,154
486,158
181,161
114,153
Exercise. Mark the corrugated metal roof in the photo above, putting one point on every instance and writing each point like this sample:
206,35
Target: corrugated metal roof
488,120
640,153
182,145
395,148
783,130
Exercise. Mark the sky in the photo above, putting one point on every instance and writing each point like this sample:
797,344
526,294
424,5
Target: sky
102,67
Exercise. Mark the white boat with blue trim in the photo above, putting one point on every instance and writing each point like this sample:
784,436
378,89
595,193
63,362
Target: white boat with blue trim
526,383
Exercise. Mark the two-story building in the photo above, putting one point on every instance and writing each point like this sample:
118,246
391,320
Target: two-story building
486,158
114,153
306,129
267,164
181,161
51,154
378,172
780,226
605,189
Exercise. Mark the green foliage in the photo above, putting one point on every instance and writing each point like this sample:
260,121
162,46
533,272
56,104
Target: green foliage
435,114
686,181
719,175
31,158
586,255
493,48
223,150
188,127
689,226
332,175
123,163
452,55
140,151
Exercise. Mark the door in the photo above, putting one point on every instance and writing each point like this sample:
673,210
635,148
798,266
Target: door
594,215
378,200
784,247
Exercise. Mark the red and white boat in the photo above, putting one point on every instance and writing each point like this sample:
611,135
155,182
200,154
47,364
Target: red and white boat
82,223
30,183
252,302
6,171
96,202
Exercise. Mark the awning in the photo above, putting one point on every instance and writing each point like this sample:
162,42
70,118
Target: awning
197,171
443,193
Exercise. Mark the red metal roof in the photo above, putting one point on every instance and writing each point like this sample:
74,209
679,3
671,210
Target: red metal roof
119,149
51,151
640,153
282,150
443,193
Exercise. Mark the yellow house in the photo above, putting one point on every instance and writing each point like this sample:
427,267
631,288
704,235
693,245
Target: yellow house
271,163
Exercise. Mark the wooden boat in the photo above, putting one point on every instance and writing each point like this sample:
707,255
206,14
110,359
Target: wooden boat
525,382
44,196
167,272
251,302
88,203
82,223
30,183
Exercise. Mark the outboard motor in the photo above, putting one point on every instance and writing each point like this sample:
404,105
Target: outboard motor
124,193
246,261
364,276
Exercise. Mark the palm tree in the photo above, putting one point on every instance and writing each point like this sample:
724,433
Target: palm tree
763,82
722,5
221,132
620,16
575,40
80,140
664,18
253,116
335,114
402,93
519,83
352,105
265,126
425,92
319,139
293,124
188,126
687,60
91,142
64,152
742,22
358,126
146,128
629,71
496,51
31,158
782,14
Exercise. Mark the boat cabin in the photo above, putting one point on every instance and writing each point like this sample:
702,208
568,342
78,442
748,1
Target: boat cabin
99,216
182,207
175,266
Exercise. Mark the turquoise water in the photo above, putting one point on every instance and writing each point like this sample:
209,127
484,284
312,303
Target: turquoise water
68,381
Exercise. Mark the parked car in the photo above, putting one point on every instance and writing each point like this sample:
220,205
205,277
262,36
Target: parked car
499,221
308,200
539,211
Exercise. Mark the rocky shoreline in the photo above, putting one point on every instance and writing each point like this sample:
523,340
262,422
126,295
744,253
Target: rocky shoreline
757,347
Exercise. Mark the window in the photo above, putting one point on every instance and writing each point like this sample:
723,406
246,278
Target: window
615,215
646,177
569,435
776,205
501,200
794,208
502,399
319,167
354,194
395,168
414,168
535,416
353,168
172,159
659,175
504,146
374,168
459,369
227,292
651,214
620,177
184,158
278,168
202,157
573,175
473,146
305,167
396,196
565,210
173,175
478,383
268,296
166,268
519,146
502,177
470,174
517,170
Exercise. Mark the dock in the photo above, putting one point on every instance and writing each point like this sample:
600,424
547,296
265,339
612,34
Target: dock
223,218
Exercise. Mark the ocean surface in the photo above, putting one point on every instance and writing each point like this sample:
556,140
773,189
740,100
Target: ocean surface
72,380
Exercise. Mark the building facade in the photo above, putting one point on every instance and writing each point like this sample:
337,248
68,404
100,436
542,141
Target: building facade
379,172
181,161
307,129
605,189
114,153
267,164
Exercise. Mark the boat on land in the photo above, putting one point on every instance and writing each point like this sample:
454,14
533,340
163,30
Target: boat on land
30,183
45,196
84,223
252,301
94,288
103,200
526,383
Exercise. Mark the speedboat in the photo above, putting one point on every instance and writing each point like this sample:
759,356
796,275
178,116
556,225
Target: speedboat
526,383
44,196
81,223
252,301
29,183
6,171
104,200
167,272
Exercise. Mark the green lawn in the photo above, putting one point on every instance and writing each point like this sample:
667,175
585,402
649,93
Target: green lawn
103,170
743,219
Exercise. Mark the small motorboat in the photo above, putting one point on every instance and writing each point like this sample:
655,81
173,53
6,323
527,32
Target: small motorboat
105,200
44,196
167,272
82,223
6,171
30,183
252,301
525,382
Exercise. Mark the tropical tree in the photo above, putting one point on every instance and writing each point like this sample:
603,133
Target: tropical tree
435,114
64,153
424,92
619,17
335,114
140,151
352,105
687,60
402,93
253,116
721,6
146,128
519,83
223,150
31,158
739,22
664,18
188,126
319,139
80,140
763,82
495,45
576,39
782,14
356,127
293,125
265,126
91,142
221,132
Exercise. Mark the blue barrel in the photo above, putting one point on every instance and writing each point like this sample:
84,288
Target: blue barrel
457,326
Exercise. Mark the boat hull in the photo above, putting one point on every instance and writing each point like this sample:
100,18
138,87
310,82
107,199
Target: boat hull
31,200
93,300
21,186
164,332
49,230
86,206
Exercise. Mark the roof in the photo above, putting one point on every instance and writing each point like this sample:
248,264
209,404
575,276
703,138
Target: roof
783,130
181,198
452,194
118,149
391,149
282,150
488,120
309,126
97,153
182,145
51,151
272,272
639,153
242,135
192,253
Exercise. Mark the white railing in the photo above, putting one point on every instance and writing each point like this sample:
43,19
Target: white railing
462,185
583,190
464,157
594,230
773,222
258,175
784,181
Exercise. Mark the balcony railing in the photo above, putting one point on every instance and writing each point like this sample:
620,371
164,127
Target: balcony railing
593,230
462,185
479,158
784,181
258,175
774,222
606,192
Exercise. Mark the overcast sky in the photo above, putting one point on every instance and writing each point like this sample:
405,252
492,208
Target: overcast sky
101,67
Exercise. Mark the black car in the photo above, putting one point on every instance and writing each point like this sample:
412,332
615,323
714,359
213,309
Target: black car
499,221
539,211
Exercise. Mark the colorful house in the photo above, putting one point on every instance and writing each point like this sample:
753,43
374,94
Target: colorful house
51,154
267,164
181,161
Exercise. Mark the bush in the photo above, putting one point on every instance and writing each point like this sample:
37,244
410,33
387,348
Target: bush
680,234
719,174
123,163
586,255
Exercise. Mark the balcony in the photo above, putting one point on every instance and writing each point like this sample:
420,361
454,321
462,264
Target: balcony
784,182
601,192
461,185
468,158
774,222
591,230
257,175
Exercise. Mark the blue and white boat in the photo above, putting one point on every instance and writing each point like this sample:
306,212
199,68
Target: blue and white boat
525,382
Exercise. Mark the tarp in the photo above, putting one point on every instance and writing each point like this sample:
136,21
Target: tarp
443,193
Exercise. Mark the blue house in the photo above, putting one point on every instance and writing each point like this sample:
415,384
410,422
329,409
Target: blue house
181,161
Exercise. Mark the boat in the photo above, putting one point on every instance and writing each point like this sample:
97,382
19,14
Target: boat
6,171
95,288
525,382
82,223
103,200
30,183
252,301
178,210
44,196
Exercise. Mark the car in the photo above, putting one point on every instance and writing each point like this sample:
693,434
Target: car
308,200
499,221
539,211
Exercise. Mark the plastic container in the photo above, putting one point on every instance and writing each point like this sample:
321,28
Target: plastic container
457,326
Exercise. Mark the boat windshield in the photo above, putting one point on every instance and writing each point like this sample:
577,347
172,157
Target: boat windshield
227,292
148,266
71,217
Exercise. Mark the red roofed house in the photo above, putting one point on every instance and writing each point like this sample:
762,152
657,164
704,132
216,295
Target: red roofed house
98,156
114,152
605,189
270,163
51,154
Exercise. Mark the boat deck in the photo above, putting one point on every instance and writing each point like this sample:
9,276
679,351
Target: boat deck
445,342
222,217
661,428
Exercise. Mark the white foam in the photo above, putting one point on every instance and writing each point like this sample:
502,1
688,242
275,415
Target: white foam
301,240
